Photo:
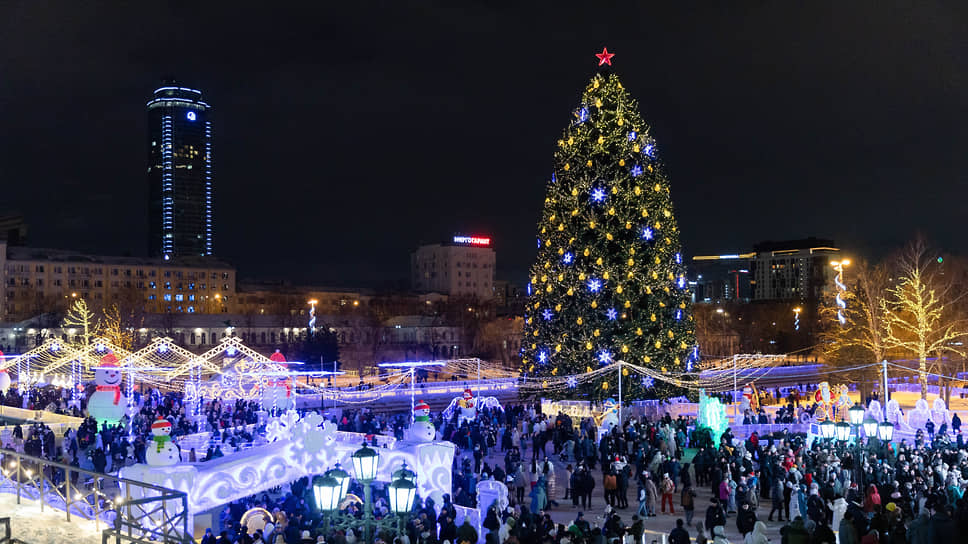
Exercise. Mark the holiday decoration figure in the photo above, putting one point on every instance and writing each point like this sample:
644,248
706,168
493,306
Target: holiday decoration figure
422,430
4,377
468,407
609,418
161,451
822,398
107,404
609,280
277,394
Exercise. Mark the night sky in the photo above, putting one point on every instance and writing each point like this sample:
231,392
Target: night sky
344,139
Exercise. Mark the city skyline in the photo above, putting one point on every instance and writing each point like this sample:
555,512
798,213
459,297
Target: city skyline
343,137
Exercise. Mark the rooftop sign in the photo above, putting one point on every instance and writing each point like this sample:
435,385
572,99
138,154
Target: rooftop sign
472,240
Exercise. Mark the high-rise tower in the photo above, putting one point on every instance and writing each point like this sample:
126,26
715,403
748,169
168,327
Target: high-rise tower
180,173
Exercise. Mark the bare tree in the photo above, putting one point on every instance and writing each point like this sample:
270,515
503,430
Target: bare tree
917,311
862,338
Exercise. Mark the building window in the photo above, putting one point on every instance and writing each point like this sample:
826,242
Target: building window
191,309
168,297
179,297
151,285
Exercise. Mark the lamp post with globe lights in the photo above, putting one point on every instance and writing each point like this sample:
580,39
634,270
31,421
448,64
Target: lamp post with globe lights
330,489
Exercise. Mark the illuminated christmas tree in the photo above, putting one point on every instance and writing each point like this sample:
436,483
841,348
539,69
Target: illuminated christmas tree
609,282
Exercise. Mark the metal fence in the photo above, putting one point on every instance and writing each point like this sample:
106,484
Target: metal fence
130,511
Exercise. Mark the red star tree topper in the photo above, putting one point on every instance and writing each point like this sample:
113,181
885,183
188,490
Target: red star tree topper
604,57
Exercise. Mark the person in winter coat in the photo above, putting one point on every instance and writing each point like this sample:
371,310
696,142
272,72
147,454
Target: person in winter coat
758,535
688,501
745,519
776,494
839,509
714,514
872,499
719,535
652,494
679,535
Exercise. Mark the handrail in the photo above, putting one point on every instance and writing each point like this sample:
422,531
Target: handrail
161,516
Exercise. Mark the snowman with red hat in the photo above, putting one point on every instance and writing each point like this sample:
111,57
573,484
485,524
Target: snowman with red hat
107,404
422,430
161,451
4,377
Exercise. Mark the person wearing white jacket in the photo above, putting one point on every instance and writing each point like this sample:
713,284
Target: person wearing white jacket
839,508
758,535
719,535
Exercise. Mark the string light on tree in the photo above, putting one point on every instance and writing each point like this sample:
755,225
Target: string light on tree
610,262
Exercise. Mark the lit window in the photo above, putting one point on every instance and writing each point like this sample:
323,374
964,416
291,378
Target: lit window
168,297
179,297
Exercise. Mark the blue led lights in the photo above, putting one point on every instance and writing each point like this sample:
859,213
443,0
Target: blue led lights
572,382
611,314
594,285
568,258
604,357
647,233
547,314
190,116
636,171
633,135
598,194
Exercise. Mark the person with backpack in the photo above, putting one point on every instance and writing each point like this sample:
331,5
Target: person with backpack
688,502
667,489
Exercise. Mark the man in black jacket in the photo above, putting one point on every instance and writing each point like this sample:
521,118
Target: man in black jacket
745,519
679,535
715,515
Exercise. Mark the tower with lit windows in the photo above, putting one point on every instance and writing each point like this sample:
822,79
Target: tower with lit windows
180,173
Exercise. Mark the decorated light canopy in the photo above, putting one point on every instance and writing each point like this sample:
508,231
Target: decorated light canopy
856,414
326,492
870,427
365,461
608,282
402,493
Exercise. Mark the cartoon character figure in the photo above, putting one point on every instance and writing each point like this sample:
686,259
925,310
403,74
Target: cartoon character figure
4,377
822,398
422,430
468,407
161,451
106,404
843,399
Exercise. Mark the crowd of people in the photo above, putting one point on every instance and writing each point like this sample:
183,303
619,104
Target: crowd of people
824,491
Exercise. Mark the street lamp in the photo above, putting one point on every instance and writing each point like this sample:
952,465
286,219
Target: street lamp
326,491
843,431
885,431
828,429
342,477
856,414
402,493
365,462
870,427
404,473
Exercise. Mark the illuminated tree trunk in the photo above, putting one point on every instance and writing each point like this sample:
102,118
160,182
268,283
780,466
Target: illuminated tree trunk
923,376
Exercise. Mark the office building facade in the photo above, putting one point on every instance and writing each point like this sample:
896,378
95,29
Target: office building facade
463,267
180,174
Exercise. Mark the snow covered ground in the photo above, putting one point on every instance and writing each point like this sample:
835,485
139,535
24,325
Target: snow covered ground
29,524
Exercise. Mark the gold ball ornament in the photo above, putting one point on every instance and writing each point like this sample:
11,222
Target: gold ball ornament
605,385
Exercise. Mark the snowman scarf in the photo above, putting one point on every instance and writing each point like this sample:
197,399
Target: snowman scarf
161,440
115,388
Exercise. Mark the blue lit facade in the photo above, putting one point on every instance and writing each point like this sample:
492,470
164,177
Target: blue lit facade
180,173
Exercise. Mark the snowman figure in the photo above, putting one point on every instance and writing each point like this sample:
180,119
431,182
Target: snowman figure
422,430
161,451
277,394
4,377
468,406
107,405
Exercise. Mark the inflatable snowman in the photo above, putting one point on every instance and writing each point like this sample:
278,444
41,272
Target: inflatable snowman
609,416
106,404
422,430
161,451
468,406
277,394
4,377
